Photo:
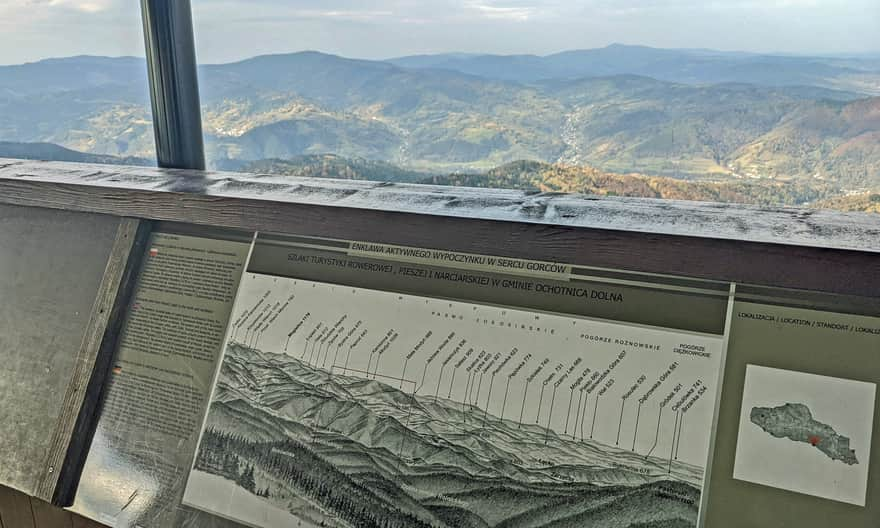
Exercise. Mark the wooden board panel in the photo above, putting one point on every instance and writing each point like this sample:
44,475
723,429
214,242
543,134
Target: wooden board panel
15,509
82,522
48,516
777,225
51,269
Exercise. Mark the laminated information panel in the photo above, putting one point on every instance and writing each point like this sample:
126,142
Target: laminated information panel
161,376
315,382
798,437
375,385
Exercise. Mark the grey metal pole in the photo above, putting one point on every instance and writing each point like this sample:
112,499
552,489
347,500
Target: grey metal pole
174,83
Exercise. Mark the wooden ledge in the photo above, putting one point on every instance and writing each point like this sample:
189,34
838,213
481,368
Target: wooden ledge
775,225
769,246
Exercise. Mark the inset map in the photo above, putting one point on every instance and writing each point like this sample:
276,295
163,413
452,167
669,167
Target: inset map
794,421
806,433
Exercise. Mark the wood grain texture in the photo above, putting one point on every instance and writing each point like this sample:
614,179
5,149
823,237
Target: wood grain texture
781,247
51,268
84,365
782,225
18,510
82,522
15,509
48,516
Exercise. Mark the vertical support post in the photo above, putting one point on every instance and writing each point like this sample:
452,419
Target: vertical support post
174,84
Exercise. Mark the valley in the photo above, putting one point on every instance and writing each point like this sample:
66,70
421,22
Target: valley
801,130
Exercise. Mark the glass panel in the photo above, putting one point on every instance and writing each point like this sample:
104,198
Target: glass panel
754,102
73,84
733,101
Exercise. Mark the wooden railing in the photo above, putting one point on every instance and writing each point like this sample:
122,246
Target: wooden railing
770,247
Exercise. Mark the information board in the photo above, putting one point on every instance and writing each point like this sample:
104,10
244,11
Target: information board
366,385
168,352
333,383
798,434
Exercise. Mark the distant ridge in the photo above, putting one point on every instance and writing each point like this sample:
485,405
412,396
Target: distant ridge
695,66
52,152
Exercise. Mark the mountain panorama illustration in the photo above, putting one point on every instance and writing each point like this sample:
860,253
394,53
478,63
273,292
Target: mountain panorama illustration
337,450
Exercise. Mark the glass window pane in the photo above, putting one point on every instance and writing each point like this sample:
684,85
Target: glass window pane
735,101
73,82
754,102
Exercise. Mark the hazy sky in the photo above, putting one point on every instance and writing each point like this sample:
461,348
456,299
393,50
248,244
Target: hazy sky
234,29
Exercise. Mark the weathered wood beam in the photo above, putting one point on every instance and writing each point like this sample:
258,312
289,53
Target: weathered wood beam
770,246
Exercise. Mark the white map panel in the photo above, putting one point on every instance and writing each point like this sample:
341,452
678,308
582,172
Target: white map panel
781,460
447,413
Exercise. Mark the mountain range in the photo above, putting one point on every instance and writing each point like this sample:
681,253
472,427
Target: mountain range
685,114
688,66
53,152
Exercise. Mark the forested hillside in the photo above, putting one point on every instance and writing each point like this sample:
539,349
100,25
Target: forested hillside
625,120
